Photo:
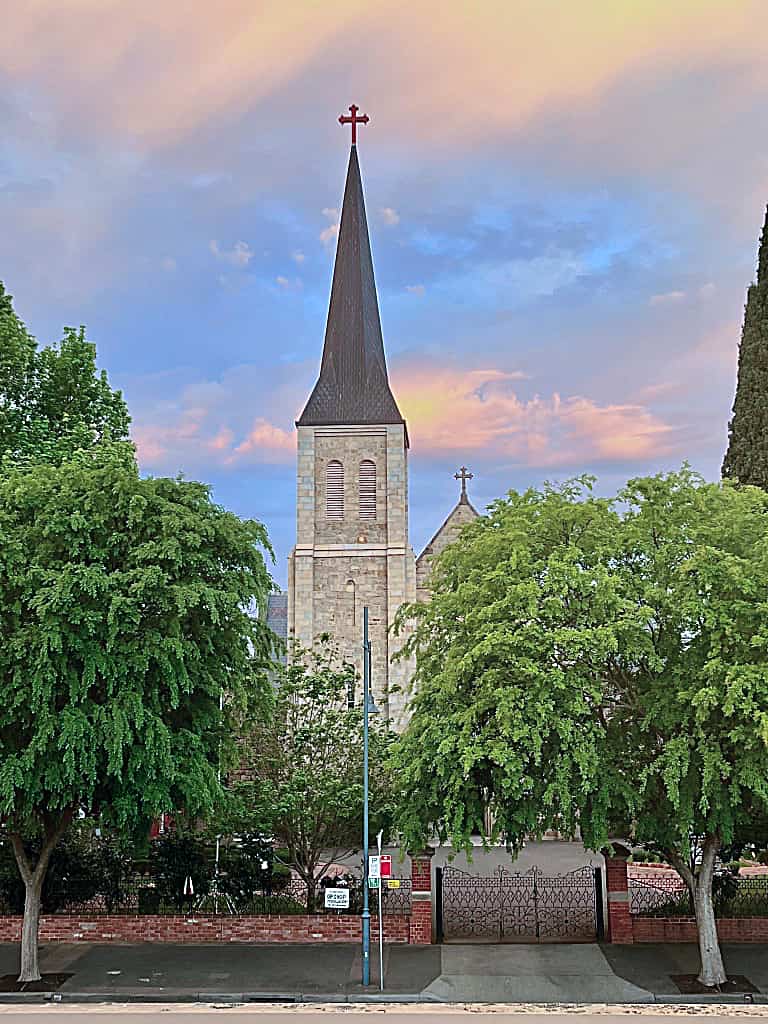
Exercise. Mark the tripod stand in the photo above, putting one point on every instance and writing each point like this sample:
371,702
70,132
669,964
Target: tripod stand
215,894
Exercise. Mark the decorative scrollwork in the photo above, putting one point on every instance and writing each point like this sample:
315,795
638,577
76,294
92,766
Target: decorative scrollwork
519,906
668,896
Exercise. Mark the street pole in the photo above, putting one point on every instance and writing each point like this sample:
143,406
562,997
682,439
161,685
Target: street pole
366,911
381,917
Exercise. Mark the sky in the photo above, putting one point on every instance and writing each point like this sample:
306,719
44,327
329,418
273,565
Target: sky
564,201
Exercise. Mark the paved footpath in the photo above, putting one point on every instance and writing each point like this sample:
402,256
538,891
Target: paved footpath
350,1014
508,974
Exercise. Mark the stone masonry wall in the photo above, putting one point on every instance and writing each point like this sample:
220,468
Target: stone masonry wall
340,612
350,450
447,534
337,568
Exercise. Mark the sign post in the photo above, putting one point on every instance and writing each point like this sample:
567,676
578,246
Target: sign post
381,916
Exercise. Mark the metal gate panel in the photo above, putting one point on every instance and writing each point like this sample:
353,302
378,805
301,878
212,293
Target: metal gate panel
471,905
567,906
519,906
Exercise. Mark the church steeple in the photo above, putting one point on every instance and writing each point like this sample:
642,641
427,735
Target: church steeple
353,386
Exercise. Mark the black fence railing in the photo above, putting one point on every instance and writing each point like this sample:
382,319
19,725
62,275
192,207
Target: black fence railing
668,896
143,895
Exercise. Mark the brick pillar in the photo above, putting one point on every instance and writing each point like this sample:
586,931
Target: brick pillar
421,897
617,889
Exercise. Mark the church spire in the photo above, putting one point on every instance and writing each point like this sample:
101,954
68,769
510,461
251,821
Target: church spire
353,386
762,255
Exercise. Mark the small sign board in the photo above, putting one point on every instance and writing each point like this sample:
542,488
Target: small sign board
385,865
373,883
374,867
393,883
336,899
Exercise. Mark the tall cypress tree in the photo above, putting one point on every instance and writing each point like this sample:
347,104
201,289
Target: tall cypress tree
747,457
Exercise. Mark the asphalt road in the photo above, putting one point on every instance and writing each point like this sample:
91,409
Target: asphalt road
331,1015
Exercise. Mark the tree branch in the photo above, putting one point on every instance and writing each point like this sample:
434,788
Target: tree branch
25,868
682,869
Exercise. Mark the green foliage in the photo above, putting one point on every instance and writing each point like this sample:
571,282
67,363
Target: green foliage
174,857
80,867
594,662
124,615
53,401
248,867
746,460
306,766
647,857
114,871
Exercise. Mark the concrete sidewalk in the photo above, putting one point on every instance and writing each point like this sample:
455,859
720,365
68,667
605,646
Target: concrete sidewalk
165,971
567,973
582,973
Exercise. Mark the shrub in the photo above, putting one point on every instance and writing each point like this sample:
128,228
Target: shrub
173,858
72,876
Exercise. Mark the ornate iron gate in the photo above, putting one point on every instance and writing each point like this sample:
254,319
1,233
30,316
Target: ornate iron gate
519,907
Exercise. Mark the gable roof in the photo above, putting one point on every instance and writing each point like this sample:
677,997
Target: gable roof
462,512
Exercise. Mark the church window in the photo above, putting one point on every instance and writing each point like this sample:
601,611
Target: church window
334,490
367,489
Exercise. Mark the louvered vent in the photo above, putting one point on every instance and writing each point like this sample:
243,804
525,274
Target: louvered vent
334,490
367,489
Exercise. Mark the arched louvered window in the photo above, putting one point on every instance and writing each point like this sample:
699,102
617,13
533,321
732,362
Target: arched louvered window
334,490
367,489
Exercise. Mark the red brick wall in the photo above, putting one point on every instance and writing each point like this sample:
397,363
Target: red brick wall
202,928
421,873
617,892
421,897
683,929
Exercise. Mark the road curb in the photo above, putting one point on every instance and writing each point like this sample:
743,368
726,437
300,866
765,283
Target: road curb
250,998
245,998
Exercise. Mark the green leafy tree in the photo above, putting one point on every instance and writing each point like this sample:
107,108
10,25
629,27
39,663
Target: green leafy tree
73,872
124,616
306,767
53,401
746,460
598,665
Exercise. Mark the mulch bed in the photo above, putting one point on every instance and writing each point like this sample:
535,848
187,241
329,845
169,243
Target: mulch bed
48,983
689,985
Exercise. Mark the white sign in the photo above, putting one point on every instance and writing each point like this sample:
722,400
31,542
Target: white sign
337,899
374,867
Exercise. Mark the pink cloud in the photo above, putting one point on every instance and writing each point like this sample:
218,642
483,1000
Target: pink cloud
264,436
245,54
222,442
209,425
452,410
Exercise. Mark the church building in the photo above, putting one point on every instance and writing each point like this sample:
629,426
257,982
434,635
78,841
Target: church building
352,543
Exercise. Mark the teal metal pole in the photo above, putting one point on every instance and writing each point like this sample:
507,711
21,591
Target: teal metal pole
366,700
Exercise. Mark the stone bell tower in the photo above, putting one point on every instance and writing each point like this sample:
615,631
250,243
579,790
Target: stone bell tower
352,548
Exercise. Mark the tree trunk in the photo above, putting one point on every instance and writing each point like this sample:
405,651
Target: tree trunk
712,968
33,884
30,968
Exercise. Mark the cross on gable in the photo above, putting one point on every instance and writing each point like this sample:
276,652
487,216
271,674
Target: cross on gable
463,475
354,120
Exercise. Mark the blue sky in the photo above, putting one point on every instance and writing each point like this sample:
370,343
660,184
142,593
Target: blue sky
564,209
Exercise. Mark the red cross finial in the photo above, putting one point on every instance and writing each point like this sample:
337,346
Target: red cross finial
354,120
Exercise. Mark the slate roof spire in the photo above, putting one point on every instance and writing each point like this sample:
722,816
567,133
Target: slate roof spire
353,386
